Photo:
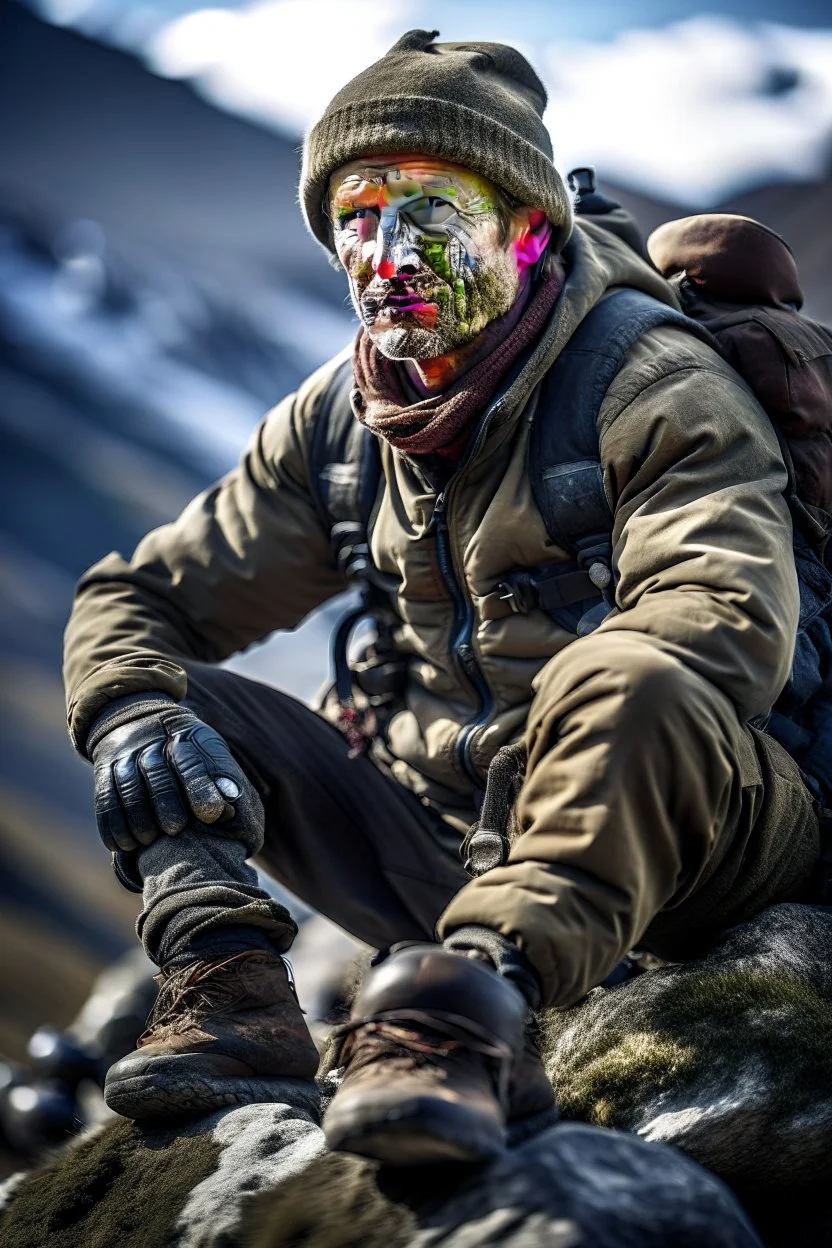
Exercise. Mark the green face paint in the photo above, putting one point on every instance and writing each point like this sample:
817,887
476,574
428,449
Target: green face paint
436,255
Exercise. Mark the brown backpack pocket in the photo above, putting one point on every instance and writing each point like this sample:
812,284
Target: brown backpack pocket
787,361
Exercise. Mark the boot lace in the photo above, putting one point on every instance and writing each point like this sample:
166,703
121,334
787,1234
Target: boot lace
194,991
419,1037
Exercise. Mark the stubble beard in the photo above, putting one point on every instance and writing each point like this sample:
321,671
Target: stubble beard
413,342
399,336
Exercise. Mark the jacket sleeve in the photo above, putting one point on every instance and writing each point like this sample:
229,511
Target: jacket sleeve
637,755
246,557
702,534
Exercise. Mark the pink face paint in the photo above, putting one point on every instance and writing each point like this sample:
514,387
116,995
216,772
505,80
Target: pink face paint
532,243
424,314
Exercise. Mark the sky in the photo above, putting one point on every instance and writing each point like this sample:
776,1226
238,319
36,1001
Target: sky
591,19
685,101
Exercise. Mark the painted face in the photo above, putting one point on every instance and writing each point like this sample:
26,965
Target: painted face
432,251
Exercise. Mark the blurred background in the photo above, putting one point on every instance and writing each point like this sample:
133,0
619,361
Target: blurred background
158,293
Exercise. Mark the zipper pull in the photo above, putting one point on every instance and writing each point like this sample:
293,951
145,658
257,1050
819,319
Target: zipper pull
465,653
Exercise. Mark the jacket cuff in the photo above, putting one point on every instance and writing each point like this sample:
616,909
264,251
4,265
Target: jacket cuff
503,955
124,711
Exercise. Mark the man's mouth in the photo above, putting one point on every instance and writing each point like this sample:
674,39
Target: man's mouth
403,303
400,298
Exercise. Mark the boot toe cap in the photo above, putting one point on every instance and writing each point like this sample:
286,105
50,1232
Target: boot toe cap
404,1127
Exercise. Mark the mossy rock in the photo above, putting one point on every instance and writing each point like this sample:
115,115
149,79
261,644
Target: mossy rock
335,1202
729,1057
570,1186
121,1184
260,1176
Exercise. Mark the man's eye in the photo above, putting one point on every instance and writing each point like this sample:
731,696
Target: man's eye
347,216
432,210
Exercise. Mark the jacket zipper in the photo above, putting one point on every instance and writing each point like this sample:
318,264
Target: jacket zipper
463,627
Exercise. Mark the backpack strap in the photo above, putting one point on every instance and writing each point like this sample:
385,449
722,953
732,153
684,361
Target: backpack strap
565,465
344,462
344,474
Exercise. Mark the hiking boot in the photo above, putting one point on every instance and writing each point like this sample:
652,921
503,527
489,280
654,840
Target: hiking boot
530,1091
429,1055
217,1027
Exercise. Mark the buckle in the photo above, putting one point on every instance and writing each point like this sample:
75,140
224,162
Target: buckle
354,561
511,592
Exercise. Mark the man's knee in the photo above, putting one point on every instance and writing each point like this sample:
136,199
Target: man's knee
241,709
651,683
250,716
275,737
633,685
212,689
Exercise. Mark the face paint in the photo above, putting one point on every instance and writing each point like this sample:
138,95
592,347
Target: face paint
531,243
432,252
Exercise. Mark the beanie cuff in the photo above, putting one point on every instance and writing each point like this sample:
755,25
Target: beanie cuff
428,126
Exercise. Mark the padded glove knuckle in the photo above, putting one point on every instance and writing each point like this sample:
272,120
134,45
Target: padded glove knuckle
205,799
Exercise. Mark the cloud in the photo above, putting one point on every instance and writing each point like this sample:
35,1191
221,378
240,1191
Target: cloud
690,111
696,109
278,61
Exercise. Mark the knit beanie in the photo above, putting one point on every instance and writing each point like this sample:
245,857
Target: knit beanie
479,105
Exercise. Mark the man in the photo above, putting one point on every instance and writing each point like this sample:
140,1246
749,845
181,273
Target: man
648,810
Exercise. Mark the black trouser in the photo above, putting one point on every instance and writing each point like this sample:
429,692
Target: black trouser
340,834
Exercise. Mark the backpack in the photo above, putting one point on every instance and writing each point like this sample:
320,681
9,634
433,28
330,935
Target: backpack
738,279
785,358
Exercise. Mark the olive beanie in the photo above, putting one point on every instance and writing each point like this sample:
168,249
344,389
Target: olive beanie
476,104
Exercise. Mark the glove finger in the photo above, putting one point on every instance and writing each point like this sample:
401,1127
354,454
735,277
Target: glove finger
134,799
221,766
204,798
112,824
229,788
162,788
243,816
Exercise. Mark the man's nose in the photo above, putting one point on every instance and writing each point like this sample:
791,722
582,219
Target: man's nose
393,253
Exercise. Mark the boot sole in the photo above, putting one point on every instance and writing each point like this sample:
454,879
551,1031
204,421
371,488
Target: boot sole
416,1132
185,1087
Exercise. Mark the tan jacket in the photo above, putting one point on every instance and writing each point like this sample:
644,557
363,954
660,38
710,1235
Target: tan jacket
701,552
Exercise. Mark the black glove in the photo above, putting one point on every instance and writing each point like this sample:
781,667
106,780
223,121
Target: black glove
159,768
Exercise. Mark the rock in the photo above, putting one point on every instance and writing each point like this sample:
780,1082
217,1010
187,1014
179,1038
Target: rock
155,1185
260,1175
569,1187
728,1057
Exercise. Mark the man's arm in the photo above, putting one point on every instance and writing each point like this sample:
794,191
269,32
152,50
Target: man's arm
702,536
247,556
636,749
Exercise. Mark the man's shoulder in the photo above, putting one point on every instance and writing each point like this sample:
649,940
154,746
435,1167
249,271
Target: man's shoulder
311,391
285,433
603,265
671,352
